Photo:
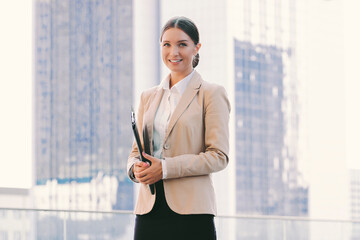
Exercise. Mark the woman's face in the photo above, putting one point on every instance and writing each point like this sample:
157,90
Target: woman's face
178,50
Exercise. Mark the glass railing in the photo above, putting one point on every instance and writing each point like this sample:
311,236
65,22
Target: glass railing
285,228
67,224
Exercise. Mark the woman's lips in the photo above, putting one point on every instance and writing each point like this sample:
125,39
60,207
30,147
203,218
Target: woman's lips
175,60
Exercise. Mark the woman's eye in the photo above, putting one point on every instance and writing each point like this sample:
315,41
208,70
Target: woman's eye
183,44
166,45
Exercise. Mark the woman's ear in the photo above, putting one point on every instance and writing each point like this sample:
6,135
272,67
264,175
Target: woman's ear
197,48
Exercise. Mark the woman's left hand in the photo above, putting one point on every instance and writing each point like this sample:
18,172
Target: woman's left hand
151,174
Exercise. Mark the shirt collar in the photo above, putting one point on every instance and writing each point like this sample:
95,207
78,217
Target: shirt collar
179,86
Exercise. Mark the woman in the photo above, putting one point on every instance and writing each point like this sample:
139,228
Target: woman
184,120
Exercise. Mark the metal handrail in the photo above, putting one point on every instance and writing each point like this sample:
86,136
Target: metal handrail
290,218
68,210
242,216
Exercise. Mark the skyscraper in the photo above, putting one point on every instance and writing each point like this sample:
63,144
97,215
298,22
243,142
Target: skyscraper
267,115
84,90
260,128
262,174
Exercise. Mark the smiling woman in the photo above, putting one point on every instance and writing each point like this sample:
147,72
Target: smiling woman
16,93
186,119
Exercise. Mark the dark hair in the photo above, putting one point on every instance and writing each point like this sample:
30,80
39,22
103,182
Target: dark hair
189,27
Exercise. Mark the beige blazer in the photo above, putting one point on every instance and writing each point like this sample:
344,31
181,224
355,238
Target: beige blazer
196,144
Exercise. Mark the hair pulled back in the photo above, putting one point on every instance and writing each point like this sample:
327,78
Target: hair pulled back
187,26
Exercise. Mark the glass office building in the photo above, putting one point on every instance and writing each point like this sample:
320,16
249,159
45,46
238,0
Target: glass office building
268,181
265,183
83,93
267,111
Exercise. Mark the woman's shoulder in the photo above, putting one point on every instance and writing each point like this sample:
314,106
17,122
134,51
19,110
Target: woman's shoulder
214,93
211,86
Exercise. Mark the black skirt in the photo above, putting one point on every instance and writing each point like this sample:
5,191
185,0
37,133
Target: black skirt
163,223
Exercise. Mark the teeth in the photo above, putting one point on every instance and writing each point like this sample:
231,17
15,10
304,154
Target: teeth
175,60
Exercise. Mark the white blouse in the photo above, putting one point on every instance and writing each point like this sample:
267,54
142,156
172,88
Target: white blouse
163,114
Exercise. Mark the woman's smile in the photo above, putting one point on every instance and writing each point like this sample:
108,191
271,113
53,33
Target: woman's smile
175,60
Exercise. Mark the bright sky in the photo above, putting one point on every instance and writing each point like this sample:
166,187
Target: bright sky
16,90
16,93
327,135
352,76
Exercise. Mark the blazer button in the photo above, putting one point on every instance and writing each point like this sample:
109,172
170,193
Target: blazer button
167,146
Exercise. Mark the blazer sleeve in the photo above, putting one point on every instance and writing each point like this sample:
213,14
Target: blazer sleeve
134,155
216,124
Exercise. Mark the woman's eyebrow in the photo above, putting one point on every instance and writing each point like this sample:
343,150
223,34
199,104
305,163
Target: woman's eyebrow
177,41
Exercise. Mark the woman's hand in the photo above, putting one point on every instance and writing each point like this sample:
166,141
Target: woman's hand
148,174
139,166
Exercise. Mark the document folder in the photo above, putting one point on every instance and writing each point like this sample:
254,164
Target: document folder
138,143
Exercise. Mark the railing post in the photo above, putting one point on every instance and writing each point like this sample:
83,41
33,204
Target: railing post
65,230
284,229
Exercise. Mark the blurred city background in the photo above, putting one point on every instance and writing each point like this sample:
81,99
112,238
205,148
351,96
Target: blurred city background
71,70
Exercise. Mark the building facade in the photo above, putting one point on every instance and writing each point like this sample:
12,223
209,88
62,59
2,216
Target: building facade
84,91
265,183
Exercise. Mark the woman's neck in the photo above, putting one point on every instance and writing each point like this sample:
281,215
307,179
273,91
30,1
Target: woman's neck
176,77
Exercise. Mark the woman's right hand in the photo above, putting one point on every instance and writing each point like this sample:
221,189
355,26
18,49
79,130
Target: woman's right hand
139,166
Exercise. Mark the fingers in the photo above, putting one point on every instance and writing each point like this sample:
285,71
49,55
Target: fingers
147,156
151,158
143,177
148,179
148,176
139,167
140,164
143,174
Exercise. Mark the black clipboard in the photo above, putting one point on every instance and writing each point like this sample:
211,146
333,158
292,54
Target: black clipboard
138,143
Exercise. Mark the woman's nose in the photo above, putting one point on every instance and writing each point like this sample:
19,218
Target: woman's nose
174,51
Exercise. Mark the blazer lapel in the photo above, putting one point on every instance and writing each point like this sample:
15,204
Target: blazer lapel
149,118
187,97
